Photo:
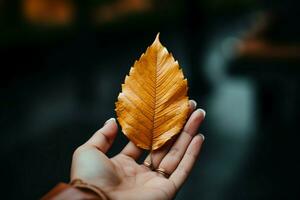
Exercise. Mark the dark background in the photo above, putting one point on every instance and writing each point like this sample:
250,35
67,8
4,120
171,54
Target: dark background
63,62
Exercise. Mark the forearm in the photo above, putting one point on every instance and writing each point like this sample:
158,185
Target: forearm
76,190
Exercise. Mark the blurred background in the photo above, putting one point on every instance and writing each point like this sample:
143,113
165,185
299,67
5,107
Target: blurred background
63,62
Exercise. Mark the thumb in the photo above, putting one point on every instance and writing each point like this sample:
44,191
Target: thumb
105,136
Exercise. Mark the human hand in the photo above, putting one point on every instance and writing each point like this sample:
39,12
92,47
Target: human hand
121,177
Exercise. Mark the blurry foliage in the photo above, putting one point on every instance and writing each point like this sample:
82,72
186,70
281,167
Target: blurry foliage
111,11
25,20
48,12
63,12
32,20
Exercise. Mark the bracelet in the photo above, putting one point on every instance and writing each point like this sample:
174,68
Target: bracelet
83,185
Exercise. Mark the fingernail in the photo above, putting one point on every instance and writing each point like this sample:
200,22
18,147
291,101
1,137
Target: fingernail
203,111
201,135
194,102
109,120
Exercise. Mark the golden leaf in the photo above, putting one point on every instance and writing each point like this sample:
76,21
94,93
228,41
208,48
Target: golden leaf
153,105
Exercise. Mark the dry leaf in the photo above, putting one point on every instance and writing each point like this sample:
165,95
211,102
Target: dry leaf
153,104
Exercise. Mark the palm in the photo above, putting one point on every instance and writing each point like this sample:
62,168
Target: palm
141,180
121,177
121,173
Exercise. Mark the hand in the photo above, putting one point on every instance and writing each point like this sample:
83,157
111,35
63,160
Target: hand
121,177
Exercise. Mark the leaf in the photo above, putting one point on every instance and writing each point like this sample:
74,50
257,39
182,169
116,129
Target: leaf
153,104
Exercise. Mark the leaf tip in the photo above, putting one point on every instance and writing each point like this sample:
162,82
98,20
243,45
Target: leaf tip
157,38
157,35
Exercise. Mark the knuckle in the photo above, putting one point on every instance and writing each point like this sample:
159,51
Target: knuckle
191,155
183,170
174,151
188,134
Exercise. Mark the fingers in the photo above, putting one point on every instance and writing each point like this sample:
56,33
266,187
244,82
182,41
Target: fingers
174,156
158,155
105,136
132,151
186,164
192,106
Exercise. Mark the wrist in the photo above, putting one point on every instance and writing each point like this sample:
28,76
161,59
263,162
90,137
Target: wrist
67,191
78,183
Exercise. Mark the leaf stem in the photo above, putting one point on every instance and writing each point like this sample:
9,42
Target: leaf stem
151,160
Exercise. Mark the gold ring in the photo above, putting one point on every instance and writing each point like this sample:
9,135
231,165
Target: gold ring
162,172
148,165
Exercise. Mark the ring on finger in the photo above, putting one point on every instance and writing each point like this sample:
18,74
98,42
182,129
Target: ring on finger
162,172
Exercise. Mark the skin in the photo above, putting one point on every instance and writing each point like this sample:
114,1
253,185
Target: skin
121,177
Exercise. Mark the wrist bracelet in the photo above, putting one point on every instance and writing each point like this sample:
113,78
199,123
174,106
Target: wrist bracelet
83,185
